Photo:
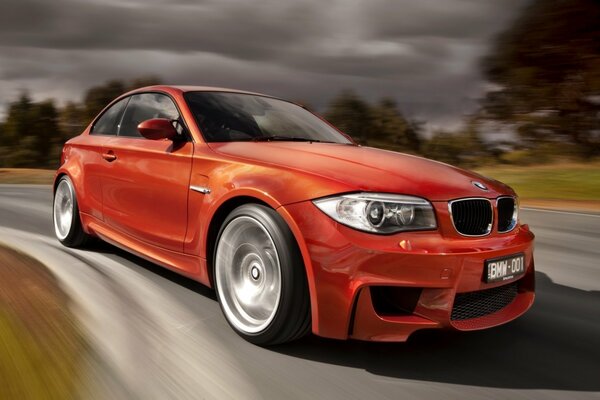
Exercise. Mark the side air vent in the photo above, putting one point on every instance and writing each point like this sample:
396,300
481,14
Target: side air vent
393,300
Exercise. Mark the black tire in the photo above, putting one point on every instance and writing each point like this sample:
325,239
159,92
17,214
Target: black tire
76,237
291,319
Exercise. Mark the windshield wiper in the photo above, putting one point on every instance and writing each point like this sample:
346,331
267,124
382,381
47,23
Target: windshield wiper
279,138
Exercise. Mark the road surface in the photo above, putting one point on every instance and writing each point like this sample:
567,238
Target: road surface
156,335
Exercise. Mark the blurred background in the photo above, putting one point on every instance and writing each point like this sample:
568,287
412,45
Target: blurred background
471,83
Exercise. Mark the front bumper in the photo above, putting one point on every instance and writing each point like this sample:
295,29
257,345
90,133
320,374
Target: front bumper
345,267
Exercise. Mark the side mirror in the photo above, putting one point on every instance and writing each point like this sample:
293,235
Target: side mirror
157,129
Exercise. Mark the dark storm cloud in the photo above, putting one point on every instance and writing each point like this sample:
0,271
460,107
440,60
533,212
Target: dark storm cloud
425,53
463,19
240,29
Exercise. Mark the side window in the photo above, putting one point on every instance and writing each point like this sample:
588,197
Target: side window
146,106
108,123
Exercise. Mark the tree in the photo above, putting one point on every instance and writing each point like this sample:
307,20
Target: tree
464,147
443,146
143,81
47,138
547,68
4,149
23,154
98,97
352,115
18,122
30,136
72,120
391,127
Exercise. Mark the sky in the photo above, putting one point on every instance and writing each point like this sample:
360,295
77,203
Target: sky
424,53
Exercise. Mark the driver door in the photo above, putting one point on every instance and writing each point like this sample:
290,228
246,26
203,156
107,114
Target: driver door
145,188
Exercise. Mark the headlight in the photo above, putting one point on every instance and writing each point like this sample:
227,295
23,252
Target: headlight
379,212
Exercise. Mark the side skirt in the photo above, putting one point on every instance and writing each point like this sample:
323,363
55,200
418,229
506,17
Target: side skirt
191,266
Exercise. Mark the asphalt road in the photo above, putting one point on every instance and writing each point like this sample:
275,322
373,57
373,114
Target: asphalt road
156,335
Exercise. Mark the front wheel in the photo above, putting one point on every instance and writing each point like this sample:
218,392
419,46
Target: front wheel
260,278
67,224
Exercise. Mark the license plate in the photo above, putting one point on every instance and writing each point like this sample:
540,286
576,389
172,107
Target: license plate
504,268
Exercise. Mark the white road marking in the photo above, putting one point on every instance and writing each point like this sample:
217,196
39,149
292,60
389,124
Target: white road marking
561,212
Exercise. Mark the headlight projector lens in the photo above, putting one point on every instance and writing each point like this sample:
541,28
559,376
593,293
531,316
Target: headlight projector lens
375,213
405,214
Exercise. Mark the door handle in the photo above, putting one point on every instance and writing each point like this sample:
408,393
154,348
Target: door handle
109,156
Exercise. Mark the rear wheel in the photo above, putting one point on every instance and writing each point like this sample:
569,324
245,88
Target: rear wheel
67,224
259,277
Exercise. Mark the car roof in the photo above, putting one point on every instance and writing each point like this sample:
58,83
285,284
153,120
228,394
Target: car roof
189,88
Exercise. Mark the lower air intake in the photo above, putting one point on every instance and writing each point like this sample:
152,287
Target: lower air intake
483,302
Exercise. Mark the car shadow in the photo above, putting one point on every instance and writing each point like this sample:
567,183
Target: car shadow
190,284
555,346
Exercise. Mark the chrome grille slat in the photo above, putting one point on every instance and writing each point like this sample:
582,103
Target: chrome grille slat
506,214
472,217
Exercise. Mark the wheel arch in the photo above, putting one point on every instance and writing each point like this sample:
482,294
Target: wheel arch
59,175
71,174
70,170
221,213
216,221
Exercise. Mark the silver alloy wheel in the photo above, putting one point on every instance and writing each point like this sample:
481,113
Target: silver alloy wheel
63,209
248,274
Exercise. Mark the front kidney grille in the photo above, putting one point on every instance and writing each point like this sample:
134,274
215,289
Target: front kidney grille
483,302
506,214
472,217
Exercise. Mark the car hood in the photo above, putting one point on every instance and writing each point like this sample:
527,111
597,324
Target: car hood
368,169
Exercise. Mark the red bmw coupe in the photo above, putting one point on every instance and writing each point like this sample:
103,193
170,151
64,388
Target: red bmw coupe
297,228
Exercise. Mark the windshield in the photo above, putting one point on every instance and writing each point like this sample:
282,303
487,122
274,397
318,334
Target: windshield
234,117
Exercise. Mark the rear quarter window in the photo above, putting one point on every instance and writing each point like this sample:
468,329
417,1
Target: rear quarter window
108,123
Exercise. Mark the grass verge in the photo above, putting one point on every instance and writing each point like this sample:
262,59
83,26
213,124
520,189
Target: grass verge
570,186
41,346
26,175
